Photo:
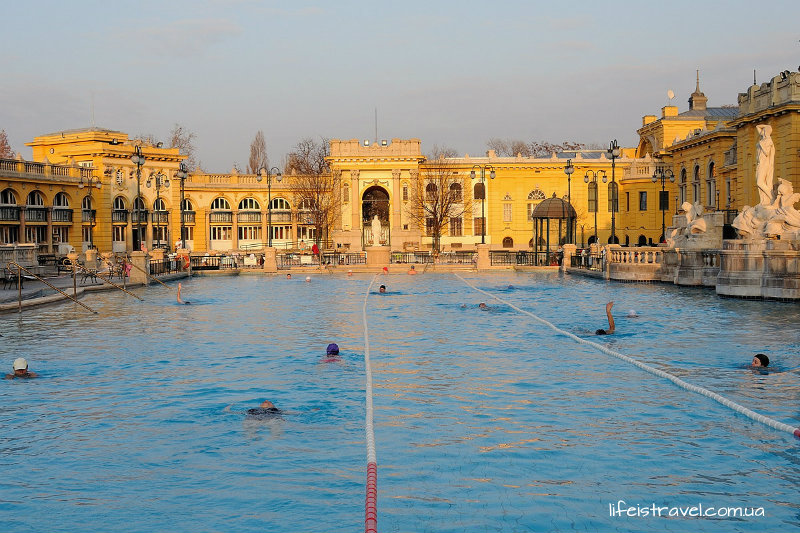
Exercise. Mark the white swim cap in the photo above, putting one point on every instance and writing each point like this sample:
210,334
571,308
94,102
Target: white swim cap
632,312
20,363
308,278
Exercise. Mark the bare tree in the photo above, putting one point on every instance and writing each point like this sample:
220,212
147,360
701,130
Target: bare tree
5,149
514,147
440,152
183,139
315,189
258,154
437,199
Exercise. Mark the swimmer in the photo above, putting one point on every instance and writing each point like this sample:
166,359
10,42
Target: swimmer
21,370
382,289
179,297
483,305
308,279
633,314
349,272
385,270
760,361
611,328
412,271
289,276
266,410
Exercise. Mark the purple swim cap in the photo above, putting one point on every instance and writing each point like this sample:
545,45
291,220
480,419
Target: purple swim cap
332,349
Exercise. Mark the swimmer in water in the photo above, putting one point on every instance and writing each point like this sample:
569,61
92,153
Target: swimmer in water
611,327
412,272
482,305
266,410
760,361
633,314
179,297
382,289
385,270
331,353
288,276
21,370
308,279
349,272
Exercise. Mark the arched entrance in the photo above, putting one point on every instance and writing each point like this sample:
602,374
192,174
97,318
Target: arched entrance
375,202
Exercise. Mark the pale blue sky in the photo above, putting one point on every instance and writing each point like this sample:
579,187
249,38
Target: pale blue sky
452,73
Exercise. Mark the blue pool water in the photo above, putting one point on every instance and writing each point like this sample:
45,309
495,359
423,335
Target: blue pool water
484,420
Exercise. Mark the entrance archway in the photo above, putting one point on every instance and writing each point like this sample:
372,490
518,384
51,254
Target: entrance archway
375,201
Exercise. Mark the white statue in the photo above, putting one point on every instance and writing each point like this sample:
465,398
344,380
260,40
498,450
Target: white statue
376,230
765,164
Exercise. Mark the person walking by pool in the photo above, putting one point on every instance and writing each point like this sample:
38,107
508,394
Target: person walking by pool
760,361
611,328
21,370
179,296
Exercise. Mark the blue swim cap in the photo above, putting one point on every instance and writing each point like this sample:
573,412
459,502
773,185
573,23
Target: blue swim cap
332,349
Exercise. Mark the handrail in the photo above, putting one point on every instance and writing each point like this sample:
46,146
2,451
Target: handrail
149,276
99,275
19,286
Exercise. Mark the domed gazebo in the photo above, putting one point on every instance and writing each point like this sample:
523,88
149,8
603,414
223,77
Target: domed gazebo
552,209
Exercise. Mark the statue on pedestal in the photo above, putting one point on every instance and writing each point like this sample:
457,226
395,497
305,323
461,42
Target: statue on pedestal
376,231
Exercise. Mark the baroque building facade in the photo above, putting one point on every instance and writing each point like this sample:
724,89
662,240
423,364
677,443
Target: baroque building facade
83,189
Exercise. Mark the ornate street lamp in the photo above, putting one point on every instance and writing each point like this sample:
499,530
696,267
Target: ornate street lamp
568,170
91,182
593,186
161,180
663,196
279,177
483,199
182,174
613,152
138,159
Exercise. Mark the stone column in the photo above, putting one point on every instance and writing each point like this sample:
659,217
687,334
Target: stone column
235,230
356,205
483,257
49,230
21,238
137,277
569,251
270,261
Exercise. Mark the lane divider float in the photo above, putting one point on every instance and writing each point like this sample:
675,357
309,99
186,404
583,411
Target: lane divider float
371,501
758,417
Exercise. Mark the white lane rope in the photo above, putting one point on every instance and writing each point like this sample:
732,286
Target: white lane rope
368,371
775,424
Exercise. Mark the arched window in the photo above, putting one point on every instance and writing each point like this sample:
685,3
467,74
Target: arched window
534,197
249,204
696,184
7,197
430,192
119,203
613,197
138,204
682,187
35,199
455,192
220,204
479,191
86,203
187,205
304,205
159,205
642,240
508,242
61,200
711,184
280,203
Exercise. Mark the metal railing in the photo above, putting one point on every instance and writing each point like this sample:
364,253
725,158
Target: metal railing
61,215
587,261
119,215
217,217
9,213
21,268
523,258
344,258
35,214
248,216
412,257
160,267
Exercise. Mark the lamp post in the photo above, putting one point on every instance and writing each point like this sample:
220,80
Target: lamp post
472,176
182,174
614,152
663,198
568,170
91,182
593,185
138,159
161,180
279,177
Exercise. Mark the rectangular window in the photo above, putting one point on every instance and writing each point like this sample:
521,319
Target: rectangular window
613,197
405,193
221,233
507,212
36,234
593,197
455,227
306,233
642,200
86,233
627,201
249,233
118,233
189,232
477,226
160,234
282,233
429,226
60,234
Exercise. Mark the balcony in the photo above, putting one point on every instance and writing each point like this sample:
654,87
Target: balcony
88,215
62,215
119,216
139,217
9,213
220,217
249,217
35,214
281,217
159,218
188,217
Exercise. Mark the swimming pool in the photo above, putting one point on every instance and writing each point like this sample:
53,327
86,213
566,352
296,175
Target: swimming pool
484,420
